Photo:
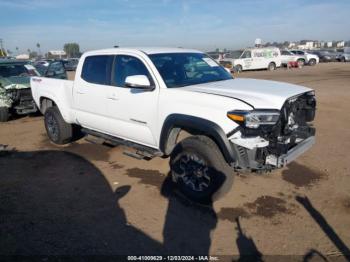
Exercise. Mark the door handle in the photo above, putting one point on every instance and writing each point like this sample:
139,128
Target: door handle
112,96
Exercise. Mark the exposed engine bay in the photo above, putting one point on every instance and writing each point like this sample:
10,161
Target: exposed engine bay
269,144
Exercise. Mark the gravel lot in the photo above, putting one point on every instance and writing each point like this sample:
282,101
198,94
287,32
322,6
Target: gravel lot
91,199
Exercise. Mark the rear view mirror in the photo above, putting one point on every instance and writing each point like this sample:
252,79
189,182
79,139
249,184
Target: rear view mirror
138,81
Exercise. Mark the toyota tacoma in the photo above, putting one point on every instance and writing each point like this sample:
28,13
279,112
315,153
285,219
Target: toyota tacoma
180,103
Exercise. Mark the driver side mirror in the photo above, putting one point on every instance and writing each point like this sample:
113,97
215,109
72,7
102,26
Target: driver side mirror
138,81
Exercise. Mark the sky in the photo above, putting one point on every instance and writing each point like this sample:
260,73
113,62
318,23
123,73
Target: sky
200,24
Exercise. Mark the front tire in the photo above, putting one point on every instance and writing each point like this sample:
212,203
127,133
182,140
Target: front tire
200,170
271,66
57,129
4,114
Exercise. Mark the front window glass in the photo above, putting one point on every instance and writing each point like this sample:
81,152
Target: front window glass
128,66
236,54
184,69
247,54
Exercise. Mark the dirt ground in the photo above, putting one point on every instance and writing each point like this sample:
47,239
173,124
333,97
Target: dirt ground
91,199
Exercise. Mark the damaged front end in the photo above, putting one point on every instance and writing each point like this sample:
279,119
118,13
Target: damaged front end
280,138
17,97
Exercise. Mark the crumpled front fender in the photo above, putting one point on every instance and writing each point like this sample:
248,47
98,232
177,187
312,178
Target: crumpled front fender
5,100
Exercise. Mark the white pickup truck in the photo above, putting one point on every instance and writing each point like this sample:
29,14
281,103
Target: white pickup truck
180,103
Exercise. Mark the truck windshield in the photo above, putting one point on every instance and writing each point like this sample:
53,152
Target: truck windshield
184,69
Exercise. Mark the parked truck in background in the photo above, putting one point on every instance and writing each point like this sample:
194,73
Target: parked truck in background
255,58
180,103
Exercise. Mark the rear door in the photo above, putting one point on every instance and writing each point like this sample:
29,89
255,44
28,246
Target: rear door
91,91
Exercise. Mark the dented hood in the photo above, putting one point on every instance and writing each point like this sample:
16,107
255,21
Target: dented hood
15,82
260,94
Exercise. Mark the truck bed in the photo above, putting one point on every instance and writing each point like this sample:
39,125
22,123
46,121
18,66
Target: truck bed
58,90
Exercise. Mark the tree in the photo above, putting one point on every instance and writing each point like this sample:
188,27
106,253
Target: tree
72,49
38,46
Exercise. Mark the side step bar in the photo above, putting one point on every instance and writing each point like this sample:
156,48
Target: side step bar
142,152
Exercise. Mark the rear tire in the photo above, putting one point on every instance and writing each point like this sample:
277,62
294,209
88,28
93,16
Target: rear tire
57,129
271,66
238,68
4,114
312,62
199,169
343,59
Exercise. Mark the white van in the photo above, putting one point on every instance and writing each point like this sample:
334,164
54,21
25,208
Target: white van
254,58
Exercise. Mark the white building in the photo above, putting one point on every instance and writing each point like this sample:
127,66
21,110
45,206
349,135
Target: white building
57,53
341,44
292,45
22,57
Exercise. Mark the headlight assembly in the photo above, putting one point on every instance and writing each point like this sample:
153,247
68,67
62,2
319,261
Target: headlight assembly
254,119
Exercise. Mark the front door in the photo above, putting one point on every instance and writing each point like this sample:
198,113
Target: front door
247,60
132,112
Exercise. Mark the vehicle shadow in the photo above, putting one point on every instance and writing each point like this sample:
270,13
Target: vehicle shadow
187,225
248,251
58,203
323,224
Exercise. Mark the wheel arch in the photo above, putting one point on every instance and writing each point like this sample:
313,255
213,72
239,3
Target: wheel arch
45,103
174,123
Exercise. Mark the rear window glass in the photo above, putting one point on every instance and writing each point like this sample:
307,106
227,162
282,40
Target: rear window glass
97,69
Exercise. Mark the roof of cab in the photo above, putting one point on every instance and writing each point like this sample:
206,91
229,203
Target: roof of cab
146,50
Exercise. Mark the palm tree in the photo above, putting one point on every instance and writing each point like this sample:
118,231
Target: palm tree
38,46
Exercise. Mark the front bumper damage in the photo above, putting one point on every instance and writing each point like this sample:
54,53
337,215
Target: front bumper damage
292,154
22,101
265,149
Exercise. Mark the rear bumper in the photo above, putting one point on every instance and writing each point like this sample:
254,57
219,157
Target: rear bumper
292,154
